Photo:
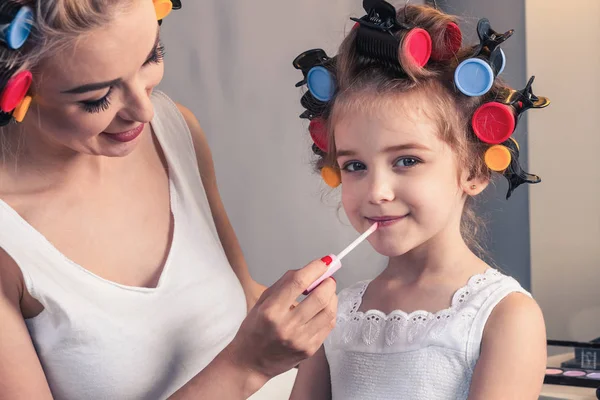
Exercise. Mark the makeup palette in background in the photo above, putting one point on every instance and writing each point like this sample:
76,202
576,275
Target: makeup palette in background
579,365
572,377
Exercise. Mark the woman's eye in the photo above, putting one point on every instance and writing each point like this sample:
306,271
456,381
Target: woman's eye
158,55
96,106
354,166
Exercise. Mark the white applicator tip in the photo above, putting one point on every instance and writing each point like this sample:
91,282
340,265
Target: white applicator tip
336,260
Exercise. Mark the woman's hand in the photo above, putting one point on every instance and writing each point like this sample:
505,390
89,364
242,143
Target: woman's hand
253,291
277,334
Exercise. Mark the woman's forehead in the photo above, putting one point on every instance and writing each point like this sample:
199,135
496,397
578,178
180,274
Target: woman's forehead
104,54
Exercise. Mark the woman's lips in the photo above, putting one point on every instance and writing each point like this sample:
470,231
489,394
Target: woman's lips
126,136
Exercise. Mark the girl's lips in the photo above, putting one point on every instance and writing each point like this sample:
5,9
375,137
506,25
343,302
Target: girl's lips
386,221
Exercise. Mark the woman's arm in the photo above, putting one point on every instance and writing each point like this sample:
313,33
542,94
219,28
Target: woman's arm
222,379
252,289
21,374
512,363
313,381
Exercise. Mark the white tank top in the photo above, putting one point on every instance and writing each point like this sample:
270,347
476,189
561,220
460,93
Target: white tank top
97,339
421,355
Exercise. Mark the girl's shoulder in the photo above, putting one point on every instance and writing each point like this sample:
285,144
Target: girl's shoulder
350,297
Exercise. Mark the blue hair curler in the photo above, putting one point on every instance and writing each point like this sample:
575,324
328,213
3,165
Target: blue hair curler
475,76
16,23
320,83
503,62
317,68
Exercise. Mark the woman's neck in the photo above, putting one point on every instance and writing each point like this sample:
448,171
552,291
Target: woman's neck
32,161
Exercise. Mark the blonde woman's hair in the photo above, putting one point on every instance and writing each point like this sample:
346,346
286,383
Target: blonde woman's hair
57,25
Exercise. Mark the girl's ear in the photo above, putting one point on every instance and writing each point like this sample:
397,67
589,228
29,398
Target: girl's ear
474,185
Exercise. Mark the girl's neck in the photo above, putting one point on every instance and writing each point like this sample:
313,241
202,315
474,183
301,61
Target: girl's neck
444,255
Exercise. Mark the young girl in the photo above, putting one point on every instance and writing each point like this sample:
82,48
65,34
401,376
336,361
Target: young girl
120,274
416,128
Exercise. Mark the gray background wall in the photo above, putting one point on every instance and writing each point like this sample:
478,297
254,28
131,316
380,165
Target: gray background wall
508,239
229,61
565,211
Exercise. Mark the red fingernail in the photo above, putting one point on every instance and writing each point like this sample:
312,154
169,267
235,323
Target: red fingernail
327,260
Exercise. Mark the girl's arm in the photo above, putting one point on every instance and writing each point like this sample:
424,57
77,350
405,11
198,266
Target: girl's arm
252,289
512,362
313,381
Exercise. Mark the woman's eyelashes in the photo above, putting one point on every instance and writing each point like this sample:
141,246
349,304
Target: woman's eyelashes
96,106
399,163
99,105
157,55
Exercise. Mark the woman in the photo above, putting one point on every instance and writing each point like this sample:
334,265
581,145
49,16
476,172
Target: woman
120,274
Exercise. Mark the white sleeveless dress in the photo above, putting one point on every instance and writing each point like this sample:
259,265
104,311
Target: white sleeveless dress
416,356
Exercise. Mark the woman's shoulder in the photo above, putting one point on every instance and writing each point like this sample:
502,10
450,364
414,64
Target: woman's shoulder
201,147
10,275
191,121
165,106
169,113
12,282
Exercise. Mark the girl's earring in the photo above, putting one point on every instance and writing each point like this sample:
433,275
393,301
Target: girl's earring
473,187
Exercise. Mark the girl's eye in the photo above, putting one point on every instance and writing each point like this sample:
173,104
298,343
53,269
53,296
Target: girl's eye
406,162
158,55
96,106
354,166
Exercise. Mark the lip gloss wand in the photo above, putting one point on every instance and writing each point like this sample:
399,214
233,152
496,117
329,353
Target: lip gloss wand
334,262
